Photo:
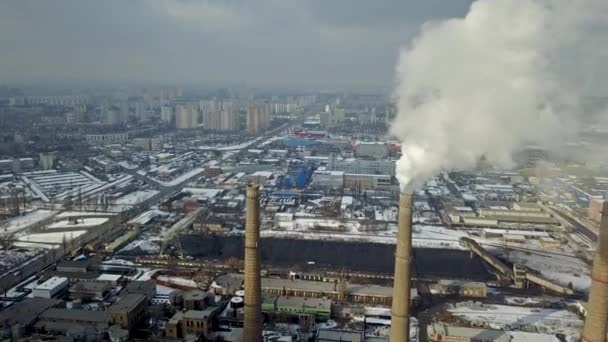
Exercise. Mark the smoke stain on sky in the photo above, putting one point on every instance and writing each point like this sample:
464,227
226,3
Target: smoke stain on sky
508,74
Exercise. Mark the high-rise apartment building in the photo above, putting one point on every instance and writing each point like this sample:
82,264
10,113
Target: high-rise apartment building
166,114
258,118
186,117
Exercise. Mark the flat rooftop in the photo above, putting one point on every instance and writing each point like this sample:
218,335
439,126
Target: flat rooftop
55,314
127,303
52,283
25,312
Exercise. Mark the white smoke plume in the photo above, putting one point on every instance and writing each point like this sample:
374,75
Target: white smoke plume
510,73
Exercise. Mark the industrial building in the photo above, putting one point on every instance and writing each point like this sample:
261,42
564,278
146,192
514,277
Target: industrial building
191,322
57,321
50,288
460,288
362,166
90,290
372,150
438,332
319,308
340,291
129,310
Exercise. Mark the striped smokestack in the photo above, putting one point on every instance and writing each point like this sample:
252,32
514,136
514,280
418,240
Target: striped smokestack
597,315
252,331
400,310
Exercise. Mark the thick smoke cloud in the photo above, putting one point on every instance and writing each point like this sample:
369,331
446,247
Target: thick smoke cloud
508,74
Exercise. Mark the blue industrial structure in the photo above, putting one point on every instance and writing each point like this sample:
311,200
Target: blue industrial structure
299,175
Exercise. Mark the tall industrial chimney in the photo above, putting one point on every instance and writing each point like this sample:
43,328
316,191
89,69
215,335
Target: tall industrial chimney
400,310
597,315
252,331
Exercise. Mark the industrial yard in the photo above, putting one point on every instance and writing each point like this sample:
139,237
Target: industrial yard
297,232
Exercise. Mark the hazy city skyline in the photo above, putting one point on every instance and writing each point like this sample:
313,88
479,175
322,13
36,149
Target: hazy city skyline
261,42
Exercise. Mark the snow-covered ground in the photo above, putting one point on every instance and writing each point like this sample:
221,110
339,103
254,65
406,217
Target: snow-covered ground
80,223
559,268
47,240
423,236
83,214
19,223
12,258
146,243
504,317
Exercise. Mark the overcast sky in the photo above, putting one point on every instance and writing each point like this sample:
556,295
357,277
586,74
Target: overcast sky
332,42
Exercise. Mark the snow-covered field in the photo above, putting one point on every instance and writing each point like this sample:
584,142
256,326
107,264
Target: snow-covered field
12,258
559,268
19,223
47,240
80,223
146,243
504,317
423,236
83,214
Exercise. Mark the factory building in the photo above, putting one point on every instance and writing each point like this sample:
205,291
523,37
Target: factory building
462,288
62,321
129,311
106,139
319,308
50,288
90,290
438,332
362,166
145,287
371,150
339,291
191,322
363,182
336,180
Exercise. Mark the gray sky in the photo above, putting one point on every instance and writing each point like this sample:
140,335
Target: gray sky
333,42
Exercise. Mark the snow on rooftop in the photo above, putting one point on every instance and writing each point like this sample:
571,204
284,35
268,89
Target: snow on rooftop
559,268
146,217
504,317
125,202
202,193
52,283
265,174
182,178
109,277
